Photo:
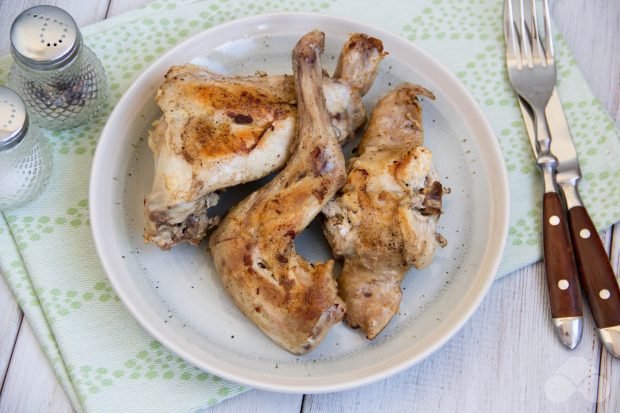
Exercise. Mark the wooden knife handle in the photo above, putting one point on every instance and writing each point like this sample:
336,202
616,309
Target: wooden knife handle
562,278
597,276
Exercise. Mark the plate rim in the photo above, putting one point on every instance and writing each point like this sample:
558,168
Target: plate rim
390,366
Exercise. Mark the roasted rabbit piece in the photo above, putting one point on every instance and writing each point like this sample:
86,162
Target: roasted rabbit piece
383,220
218,131
291,300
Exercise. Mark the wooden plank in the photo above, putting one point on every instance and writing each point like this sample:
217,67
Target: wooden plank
95,11
506,358
609,374
586,23
29,369
257,401
10,320
30,384
592,30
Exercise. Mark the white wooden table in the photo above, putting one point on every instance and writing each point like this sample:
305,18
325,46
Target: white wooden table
505,359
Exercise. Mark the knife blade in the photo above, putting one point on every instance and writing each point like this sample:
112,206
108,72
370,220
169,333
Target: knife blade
595,272
564,291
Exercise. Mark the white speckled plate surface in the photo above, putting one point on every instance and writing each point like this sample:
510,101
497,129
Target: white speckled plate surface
177,296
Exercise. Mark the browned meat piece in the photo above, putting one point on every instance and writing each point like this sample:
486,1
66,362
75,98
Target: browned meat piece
291,300
383,221
219,131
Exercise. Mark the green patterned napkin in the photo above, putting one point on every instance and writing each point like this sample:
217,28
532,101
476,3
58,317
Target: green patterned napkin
104,359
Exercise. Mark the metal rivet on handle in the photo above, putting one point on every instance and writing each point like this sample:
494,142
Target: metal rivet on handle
604,294
554,220
563,284
584,233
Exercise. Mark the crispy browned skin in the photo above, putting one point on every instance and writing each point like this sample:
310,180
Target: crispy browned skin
291,300
219,131
383,221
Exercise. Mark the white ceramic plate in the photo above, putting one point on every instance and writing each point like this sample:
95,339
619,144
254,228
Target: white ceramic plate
178,297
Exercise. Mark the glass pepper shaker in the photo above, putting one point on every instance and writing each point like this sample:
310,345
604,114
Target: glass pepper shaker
61,80
25,156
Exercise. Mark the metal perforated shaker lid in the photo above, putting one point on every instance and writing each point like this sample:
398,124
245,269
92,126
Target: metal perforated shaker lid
13,119
44,37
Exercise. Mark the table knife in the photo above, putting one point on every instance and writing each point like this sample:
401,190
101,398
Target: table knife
594,269
565,299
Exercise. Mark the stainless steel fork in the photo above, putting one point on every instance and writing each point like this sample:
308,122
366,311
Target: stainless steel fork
531,68
532,73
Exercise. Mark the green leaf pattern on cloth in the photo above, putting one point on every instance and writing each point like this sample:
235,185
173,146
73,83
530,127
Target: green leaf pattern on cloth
27,228
104,359
152,363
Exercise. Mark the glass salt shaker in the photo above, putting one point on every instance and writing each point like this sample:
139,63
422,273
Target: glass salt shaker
25,156
61,80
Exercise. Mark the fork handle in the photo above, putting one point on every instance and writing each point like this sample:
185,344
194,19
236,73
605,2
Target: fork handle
597,276
562,278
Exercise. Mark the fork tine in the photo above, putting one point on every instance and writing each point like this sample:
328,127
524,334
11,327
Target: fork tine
548,34
524,39
537,48
512,46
